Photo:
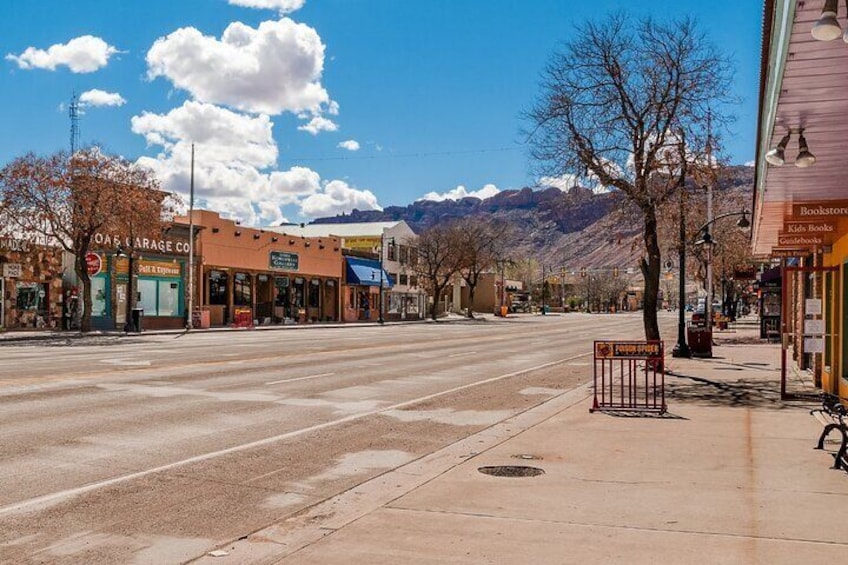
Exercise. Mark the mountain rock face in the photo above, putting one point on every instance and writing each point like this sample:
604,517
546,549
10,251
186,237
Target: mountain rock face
574,228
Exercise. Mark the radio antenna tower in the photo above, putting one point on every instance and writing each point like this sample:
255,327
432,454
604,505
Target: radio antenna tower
73,112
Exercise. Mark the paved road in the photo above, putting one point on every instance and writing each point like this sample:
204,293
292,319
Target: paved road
157,449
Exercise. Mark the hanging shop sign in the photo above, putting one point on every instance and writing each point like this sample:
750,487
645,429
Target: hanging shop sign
283,261
159,269
800,240
809,228
822,209
12,270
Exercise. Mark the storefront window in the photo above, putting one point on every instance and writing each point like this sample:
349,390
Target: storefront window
147,296
242,289
218,288
159,297
32,297
99,297
299,283
281,286
314,293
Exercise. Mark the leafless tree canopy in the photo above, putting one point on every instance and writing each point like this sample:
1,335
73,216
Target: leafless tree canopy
623,104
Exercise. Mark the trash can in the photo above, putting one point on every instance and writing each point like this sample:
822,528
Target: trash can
137,318
700,341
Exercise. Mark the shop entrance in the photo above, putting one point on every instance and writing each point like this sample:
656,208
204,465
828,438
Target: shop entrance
806,322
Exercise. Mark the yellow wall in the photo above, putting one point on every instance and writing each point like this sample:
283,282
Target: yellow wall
833,382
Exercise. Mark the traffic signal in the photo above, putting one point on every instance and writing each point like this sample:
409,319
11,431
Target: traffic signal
582,271
615,272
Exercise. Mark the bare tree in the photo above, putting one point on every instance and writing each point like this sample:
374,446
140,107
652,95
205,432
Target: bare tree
613,102
481,243
439,260
65,200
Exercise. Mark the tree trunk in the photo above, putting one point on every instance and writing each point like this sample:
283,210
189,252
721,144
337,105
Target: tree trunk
81,268
434,308
471,288
651,273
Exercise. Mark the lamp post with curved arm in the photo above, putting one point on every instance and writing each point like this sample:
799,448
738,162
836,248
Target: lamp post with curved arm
706,241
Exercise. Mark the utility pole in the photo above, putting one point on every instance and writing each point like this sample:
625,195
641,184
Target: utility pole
190,321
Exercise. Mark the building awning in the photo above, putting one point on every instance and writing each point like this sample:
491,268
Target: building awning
366,272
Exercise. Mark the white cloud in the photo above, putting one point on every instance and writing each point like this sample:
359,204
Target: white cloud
97,97
564,182
750,163
318,124
350,145
461,192
233,156
271,69
224,136
282,6
84,54
337,197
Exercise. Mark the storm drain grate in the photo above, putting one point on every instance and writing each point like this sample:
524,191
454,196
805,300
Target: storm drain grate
511,471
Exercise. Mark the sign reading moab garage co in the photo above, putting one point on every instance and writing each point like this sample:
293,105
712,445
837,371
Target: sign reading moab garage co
160,245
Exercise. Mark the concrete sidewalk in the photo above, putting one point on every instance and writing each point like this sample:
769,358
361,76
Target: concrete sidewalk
730,476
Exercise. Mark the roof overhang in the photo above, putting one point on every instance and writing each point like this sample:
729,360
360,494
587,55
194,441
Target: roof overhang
804,84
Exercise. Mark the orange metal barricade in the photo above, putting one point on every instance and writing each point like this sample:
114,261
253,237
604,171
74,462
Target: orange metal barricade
629,376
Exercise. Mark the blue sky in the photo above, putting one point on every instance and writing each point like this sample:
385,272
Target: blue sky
314,107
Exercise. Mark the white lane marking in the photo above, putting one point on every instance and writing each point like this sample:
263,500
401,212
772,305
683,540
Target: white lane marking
47,500
301,378
127,362
463,354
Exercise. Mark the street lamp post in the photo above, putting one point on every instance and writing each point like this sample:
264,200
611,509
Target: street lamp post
707,242
681,349
544,286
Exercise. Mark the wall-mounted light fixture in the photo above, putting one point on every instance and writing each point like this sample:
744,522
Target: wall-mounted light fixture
827,27
320,246
805,158
777,155
215,230
307,244
238,233
291,242
274,238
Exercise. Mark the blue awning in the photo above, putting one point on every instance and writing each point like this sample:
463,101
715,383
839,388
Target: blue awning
366,272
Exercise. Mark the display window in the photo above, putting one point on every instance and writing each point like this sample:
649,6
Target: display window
32,297
281,291
242,289
159,297
314,293
218,288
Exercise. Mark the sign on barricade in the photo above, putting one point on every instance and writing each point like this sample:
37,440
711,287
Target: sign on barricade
629,376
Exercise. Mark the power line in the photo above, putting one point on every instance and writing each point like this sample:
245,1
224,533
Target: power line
406,155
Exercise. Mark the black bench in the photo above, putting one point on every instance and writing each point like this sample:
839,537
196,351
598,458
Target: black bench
833,416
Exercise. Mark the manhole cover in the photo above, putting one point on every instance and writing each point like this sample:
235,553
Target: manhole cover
511,471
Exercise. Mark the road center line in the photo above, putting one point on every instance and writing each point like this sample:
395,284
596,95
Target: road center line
463,354
47,500
300,378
